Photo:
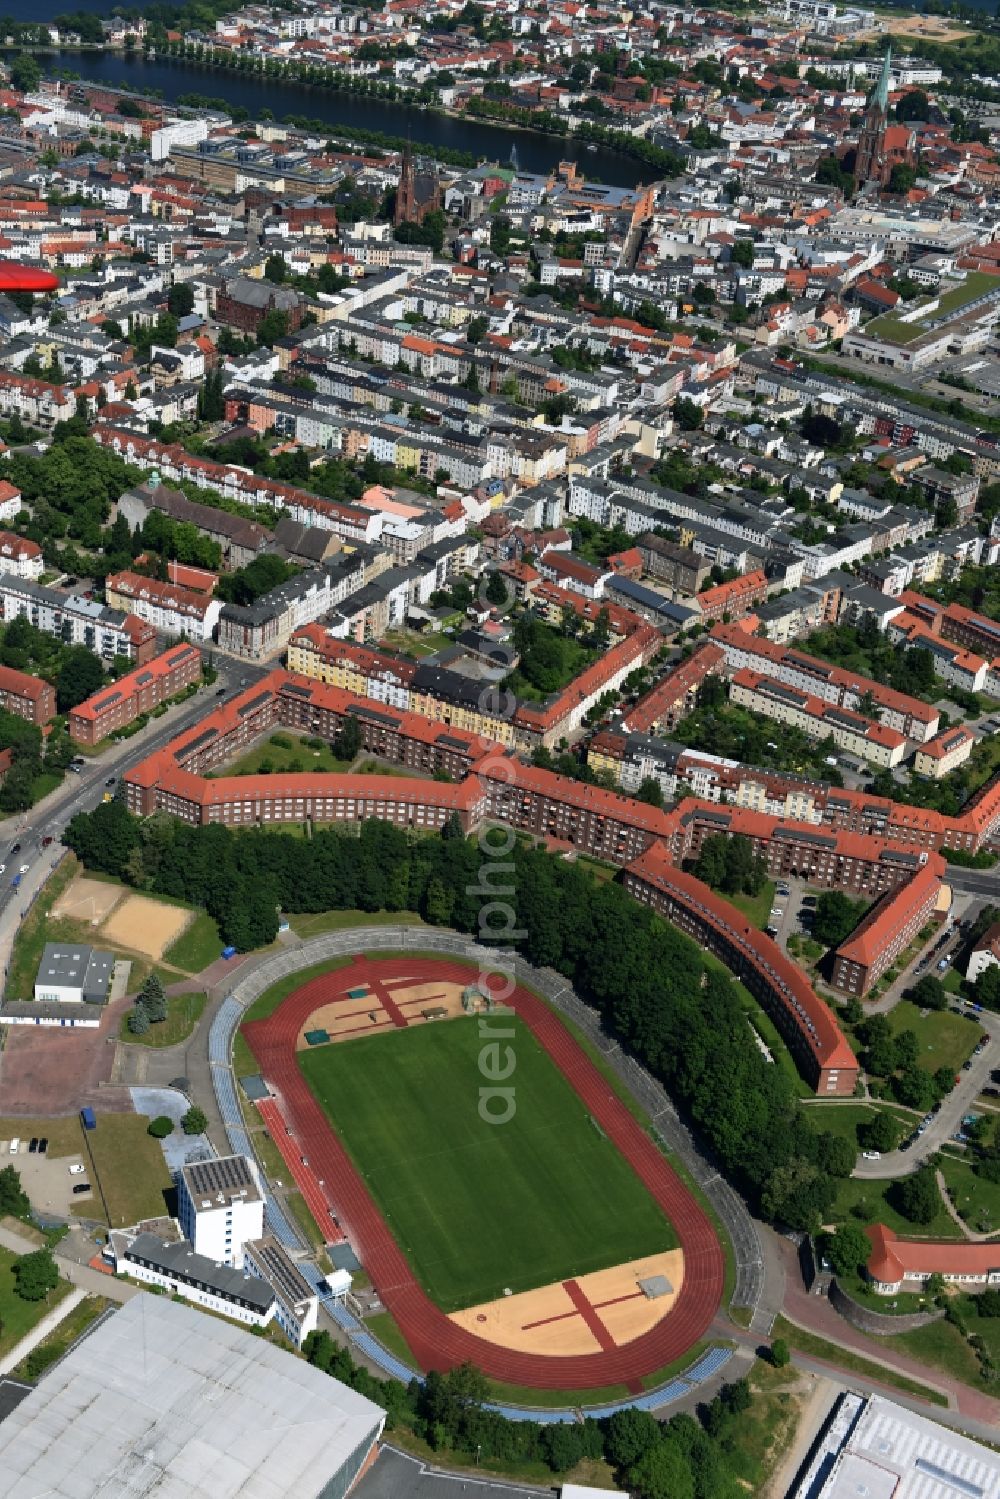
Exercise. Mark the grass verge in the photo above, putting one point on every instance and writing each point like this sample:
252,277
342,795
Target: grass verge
816,1347
183,1013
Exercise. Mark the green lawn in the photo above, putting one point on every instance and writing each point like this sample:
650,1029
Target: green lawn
815,1347
756,907
977,1201
843,1119
197,946
871,1201
941,1346
481,1207
337,921
183,1014
127,1166
18,1317
946,1040
296,755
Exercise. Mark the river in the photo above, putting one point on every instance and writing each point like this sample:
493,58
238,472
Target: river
536,152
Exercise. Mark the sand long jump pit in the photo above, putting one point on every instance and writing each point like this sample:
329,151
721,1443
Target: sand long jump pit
88,900
146,926
361,1008
586,1314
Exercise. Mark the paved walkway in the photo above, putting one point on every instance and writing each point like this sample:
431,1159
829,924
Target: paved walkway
82,1276
41,1330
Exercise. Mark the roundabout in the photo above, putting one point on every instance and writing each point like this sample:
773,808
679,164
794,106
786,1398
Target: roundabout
560,1251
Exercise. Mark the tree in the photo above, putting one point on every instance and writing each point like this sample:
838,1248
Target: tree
628,1436
160,1127
835,918
13,1198
917,1196
79,675
742,253
476,329
195,1121
138,1021
348,743
687,414
878,1133
930,993
662,1473
902,177
275,269
497,591
272,326
780,1355
847,1249
35,1275
153,1000
650,792
180,299
25,73
211,400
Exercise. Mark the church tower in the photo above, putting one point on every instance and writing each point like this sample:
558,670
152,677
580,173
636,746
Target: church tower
871,164
406,199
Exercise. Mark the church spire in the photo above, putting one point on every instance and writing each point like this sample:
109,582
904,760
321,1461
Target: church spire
880,93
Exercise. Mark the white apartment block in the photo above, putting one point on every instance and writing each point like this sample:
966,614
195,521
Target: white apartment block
221,1207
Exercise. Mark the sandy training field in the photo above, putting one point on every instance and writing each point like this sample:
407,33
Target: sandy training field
588,1314
88,900
146,926
403,1002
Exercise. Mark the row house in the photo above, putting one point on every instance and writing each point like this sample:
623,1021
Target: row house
886,931
75,620
140,691
169,609
817,719
905,715
807,1024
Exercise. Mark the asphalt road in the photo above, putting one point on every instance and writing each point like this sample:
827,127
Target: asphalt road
84,792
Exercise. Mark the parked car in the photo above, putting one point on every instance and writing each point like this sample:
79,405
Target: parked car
33,1145
15,849
871,1155
47,840
43,1145
81,1187
221,692
76,1170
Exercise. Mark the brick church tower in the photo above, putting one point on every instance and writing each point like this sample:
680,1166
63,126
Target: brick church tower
872,163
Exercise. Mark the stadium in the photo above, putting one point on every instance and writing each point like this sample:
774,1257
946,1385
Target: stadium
509,1208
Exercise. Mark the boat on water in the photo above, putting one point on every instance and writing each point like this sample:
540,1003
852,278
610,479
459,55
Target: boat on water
591,146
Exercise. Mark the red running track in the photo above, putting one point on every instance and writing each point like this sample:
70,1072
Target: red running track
437,1342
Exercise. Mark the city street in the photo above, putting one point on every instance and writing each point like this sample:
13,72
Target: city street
84,792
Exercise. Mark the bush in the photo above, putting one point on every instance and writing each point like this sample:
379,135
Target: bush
195,1121
160,1127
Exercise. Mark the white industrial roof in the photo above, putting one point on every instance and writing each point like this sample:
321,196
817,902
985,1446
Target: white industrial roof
163,1400
893,1451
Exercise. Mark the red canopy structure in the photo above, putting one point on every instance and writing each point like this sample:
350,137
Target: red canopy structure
25,278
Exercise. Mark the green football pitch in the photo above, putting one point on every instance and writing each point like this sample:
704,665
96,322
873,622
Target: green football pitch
478,1207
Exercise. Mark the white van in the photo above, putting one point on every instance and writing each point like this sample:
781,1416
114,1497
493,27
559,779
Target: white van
15,1145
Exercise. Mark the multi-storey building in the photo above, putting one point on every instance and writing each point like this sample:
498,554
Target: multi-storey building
140,691
905,715
807,1024
887,930
28,697
77,621
169,609
819,719
220,1206
944,753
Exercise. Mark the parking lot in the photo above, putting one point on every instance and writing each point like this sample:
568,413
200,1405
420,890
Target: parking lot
47,1179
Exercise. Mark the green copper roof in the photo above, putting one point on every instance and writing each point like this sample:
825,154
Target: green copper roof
880,93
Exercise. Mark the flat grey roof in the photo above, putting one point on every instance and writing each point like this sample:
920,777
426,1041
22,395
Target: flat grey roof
163,1402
